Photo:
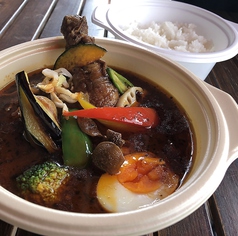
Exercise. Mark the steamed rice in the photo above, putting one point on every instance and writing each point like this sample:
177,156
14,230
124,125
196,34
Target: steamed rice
169,35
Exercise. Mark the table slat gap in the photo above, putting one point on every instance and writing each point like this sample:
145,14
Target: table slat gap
52,28
13,18
217,224
5,228
25,24
14,230
81,6
44,20
210,218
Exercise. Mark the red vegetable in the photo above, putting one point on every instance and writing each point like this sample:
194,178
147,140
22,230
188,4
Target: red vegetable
137,116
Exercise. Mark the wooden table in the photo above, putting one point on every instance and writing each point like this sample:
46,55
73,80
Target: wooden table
24,20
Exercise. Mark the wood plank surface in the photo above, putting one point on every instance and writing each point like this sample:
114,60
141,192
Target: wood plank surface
22,31
62,8
5,228
224,202
7,9
191,226
224,76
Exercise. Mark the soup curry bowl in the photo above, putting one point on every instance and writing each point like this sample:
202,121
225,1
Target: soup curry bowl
213,117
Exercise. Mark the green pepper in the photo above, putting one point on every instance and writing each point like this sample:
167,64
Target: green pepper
76,145
119,81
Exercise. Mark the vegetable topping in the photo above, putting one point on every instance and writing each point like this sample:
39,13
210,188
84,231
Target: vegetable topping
43,180
138,116
79,55
121,83
76,145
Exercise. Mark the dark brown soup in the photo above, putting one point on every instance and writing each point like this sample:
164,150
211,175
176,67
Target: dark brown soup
172,140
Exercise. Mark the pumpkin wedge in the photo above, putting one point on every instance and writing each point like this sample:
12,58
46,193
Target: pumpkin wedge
79,55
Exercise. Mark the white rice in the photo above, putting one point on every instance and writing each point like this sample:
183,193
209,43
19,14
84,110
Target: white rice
169,35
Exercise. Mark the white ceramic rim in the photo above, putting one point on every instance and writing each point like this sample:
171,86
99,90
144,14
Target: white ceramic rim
53,222
217,56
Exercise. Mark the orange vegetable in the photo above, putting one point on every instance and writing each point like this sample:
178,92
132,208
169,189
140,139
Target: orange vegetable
79,55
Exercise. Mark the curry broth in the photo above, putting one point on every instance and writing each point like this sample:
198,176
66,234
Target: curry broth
172,140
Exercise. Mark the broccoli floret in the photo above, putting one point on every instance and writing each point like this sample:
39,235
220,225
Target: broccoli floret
43,181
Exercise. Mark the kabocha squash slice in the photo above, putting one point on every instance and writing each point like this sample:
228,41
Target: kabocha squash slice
79,55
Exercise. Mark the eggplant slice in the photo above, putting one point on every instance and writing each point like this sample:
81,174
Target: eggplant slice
39,115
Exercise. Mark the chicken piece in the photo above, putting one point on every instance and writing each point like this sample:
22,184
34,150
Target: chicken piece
75,30
93,79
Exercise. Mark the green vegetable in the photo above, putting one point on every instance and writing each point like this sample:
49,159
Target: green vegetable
43,180
119,81
79,55
76,145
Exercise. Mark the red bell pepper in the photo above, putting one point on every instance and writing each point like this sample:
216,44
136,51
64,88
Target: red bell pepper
136,116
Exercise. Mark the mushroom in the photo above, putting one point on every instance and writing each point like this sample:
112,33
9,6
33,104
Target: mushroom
89,127
108,157
115,137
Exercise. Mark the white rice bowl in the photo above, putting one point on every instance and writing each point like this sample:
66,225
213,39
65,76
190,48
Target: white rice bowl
176,36
222,33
